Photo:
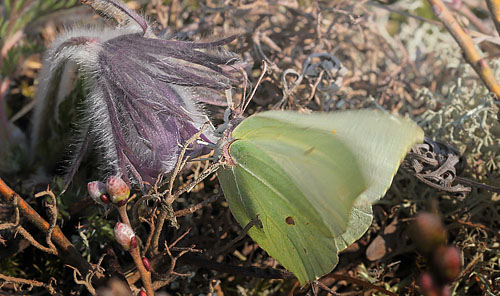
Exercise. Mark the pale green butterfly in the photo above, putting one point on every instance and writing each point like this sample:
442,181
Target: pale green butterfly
311,179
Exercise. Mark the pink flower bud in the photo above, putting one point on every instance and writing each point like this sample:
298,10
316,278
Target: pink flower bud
427,284
117,189
448,263
428,232
125,236
96,190
146,263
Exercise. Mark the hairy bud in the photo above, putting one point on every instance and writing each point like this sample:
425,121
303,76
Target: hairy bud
447,262
125,236
117,189
97,191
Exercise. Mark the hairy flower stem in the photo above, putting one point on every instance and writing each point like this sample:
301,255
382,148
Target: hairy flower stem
134,251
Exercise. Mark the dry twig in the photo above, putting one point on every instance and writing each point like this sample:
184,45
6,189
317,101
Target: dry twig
70,252
465,42
20,283
494,7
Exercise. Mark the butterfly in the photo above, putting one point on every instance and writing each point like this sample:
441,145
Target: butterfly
311,179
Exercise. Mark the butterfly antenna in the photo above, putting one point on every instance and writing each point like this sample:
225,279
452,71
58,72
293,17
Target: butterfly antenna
229,98
202,159
264,71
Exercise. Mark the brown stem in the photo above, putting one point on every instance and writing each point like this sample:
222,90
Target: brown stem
135,252
465,42
70,253
494,7
145,275
158,228
29,283
122,211
196,207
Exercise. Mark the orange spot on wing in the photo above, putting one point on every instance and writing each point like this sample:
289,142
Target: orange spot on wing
334,132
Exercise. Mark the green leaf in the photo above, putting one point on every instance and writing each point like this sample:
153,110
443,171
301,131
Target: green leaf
311,180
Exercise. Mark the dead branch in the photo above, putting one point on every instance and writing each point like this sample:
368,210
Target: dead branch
70,252
19,283
53,216
16,226
196,207
494,7
465,42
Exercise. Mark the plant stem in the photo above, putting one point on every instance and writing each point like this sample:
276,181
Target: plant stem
494,7
69,251
465,42
158,228
136,255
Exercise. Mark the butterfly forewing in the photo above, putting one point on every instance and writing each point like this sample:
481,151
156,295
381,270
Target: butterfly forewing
301,182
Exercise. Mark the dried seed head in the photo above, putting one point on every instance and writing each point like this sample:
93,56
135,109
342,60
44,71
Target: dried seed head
117,189
124,235
96,191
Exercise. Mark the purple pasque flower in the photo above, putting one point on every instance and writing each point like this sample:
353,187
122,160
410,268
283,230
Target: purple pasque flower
145,94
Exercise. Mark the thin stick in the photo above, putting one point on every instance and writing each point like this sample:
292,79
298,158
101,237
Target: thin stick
53,213
196,207
264,70
367,285
180,163
19,229
135,252
85,282
494,7
207,172
465,42
30,283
